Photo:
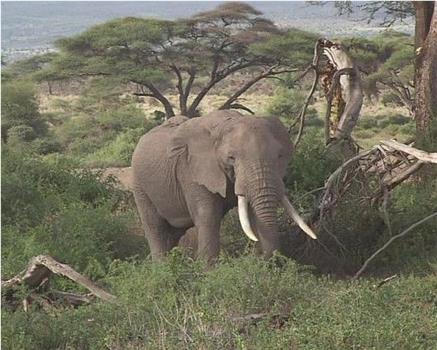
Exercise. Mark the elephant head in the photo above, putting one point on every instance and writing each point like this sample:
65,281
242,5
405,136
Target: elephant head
225,149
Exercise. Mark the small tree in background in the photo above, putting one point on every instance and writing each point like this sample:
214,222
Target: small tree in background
190,56
425,56
387,62
20,115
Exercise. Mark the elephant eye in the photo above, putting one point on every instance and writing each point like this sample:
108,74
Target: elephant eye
231,158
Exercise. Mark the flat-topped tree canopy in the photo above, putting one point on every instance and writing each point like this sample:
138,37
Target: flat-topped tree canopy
189,55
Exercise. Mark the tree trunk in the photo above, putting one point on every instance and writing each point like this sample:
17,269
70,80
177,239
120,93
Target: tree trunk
426,74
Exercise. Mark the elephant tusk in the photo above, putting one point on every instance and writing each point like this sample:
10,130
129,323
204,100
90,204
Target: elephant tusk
297,218
244,218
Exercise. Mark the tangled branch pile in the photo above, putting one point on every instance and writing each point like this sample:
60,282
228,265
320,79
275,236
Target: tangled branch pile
387,165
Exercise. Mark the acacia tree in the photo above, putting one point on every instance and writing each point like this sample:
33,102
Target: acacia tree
387,61
190,56
425,59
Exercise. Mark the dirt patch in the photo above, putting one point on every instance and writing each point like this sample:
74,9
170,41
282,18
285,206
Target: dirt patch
123,175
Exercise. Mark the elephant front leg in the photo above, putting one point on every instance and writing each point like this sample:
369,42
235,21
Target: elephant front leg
207,213
208,246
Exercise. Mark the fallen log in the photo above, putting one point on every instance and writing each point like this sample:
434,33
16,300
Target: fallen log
38,273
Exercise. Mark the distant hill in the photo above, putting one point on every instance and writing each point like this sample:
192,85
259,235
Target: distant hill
32,27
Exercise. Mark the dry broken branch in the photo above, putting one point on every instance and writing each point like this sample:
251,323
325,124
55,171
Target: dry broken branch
419,154
42,267
390,162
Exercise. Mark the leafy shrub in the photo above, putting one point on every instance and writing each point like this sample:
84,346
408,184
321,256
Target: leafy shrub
117,152
177,304
310,165
364,134
21,133
367,123
399,119
391,99
46,145
287,104
393,120
50,208
20,112
408,129
417,251
121,119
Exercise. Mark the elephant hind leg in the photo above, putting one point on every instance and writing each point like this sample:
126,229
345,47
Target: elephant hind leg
160,235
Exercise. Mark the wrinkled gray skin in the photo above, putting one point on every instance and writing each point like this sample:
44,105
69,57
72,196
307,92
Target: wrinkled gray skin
188,172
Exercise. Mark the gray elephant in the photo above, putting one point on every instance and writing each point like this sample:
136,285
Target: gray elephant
190,172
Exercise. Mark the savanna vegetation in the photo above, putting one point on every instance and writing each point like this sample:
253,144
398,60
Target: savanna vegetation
69,115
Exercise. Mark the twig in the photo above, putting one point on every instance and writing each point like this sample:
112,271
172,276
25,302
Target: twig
390,241
305,106
386,280
313,66
335,175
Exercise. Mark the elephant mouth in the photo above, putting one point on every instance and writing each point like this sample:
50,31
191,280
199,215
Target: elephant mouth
243,214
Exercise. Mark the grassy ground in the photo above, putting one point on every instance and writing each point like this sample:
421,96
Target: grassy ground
81,218
177,304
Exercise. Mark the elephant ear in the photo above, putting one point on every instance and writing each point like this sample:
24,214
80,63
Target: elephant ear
196,143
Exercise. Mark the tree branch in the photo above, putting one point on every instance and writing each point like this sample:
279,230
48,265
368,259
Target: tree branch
179,86
390,241
304,108
419,154
270,72
159,96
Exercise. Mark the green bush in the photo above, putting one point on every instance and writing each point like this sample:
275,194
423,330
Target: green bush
417,251
103,138
48,207
117,152
390,99
20,115
367,123
408,129
310,165
177,304
399,119
364,134
21,133
287,104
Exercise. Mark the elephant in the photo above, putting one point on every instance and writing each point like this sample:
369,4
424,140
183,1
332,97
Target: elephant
190,172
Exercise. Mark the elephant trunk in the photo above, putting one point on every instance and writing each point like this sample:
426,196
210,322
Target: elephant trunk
264,191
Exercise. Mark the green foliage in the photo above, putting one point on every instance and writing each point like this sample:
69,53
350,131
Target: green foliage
388,60
117,152
97,134
295,46
28,68
177,304
201,51
417,252
287,104
47,207
311,165
20,114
